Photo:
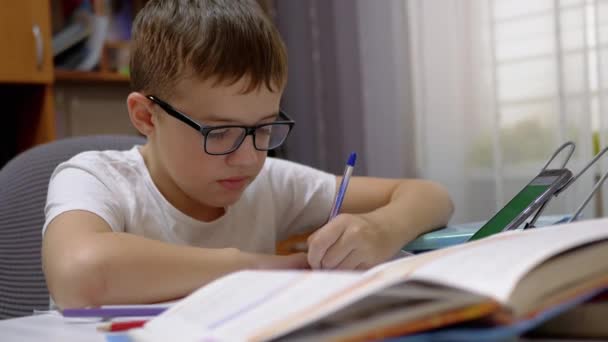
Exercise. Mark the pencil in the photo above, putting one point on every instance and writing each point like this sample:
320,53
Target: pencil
121,326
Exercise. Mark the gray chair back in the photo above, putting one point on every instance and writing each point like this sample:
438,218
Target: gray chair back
23,188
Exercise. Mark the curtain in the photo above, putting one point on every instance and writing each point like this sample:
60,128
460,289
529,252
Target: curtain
348,87
498,85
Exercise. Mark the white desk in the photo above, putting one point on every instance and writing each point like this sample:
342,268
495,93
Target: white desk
51,327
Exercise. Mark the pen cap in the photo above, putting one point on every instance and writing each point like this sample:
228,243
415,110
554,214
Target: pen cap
352,159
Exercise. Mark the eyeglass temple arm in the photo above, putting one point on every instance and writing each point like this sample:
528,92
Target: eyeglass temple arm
174,113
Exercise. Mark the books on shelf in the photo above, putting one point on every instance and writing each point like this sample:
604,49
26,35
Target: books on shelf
512,279
94,46
72,34
95,37
78,45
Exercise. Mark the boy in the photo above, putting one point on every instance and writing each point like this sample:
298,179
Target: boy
158,221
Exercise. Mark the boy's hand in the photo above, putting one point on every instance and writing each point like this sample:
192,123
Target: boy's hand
349,242
292,261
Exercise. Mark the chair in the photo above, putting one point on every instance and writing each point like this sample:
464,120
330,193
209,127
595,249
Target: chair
23,189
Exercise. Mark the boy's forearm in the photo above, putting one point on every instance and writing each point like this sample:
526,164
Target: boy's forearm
143,270
121,268
414,209
112,268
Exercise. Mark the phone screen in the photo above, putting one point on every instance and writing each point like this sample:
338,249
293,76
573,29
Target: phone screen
518,204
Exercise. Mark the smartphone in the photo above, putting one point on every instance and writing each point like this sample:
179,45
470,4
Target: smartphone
525,203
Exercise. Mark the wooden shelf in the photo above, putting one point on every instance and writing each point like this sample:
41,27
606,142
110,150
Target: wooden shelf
89,76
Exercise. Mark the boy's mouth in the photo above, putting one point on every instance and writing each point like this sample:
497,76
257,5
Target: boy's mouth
233,183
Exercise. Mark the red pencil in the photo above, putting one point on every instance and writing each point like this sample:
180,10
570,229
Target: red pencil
122,326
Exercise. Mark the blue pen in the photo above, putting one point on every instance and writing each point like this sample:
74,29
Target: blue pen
348,171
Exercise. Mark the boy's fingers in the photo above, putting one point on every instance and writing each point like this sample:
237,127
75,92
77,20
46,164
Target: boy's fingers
298,261
292,261
277,262
362,267
337,252
336,255
351,262
321,241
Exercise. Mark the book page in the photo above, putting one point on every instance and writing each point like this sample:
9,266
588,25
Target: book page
494,265
256,305
403,308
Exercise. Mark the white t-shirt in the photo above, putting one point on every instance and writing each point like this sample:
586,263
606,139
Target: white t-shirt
286,198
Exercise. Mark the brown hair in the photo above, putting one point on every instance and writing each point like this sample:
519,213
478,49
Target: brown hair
221,39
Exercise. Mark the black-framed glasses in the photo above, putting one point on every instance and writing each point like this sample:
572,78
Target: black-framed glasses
225,139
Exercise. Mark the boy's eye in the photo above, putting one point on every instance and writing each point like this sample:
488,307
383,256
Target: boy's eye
264,130
219,133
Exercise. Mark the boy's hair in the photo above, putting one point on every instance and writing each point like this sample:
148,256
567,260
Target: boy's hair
223,40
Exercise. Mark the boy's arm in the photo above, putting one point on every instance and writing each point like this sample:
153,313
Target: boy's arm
379,217
86,264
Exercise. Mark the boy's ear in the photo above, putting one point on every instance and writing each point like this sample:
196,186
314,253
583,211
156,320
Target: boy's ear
140,113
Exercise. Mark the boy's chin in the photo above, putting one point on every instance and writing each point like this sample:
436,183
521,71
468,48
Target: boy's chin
223,201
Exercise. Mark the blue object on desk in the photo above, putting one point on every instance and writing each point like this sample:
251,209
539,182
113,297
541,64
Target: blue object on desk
118,337
115,311
459,233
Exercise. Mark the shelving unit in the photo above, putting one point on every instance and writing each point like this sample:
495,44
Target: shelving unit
30,83
33,89
26,77
89,76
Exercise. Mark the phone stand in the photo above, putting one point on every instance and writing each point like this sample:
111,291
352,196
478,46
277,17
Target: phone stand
555,154
596,187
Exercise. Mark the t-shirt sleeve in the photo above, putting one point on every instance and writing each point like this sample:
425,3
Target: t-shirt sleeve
303,196
74,188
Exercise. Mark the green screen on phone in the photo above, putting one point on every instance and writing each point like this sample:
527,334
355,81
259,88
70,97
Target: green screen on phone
518,204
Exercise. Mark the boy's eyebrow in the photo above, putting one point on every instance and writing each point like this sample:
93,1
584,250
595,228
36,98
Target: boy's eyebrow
212,117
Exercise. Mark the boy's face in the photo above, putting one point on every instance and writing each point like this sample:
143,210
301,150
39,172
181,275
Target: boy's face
211,180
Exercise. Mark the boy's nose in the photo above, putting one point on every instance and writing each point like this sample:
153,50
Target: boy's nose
245,155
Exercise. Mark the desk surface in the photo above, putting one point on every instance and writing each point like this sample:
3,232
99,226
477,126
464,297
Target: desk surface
52,327
49,327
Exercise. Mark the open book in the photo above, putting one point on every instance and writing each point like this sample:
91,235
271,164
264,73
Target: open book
499,280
